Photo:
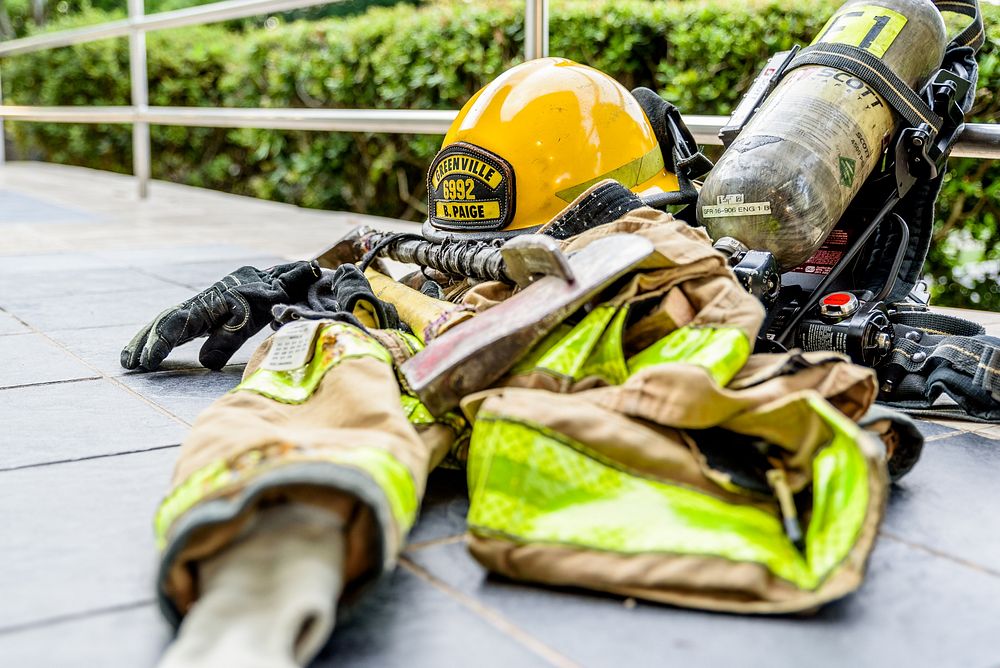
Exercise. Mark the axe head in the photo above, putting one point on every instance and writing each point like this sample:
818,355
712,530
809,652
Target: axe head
475,354
530,256
349,250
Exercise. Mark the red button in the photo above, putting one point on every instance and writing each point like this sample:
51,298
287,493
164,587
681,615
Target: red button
837,298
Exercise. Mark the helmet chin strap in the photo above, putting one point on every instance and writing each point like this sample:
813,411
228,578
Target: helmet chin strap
687,194
680,150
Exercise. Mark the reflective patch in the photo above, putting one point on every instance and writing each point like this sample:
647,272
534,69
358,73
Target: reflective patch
722,351
470,188
224,477
336,342
840,491
532,485
870,27
467,211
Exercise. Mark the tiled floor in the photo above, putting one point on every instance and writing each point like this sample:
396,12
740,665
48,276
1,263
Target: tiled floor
86,449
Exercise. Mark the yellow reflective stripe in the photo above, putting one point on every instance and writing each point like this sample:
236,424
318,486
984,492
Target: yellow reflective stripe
412,342
630,174
840,491
198,485
391,475
533,485
415,411
567,357
530,361
607,361
223,477
336,342
592,347
418,415
722,351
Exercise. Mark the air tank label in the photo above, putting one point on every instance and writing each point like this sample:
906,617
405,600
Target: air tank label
869,27
847,169
828,256
733,205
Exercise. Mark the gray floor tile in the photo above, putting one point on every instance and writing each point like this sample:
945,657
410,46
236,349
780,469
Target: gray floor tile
70,311
200,275
411,623
185,393
20,208
929,429
46,282
47,423
102,346
169,254
915,610
10,325
14,265
131,638
31,358
446,503
949,501
78,536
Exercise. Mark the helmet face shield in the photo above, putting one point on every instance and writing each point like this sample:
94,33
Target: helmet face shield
534,139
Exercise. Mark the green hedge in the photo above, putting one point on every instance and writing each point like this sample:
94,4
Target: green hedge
20,14
699,54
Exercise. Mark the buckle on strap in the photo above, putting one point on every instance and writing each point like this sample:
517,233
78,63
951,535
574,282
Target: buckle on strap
987,374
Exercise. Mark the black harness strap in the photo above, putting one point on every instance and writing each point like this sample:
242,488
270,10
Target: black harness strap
870,69
974,34
938,323
937,354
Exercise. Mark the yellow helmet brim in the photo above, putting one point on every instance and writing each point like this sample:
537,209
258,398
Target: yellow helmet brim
661,182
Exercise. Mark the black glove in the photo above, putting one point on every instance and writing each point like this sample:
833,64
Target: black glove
230,312
335,296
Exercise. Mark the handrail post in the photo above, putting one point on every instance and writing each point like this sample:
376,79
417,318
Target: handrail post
139,84
536,29
3,135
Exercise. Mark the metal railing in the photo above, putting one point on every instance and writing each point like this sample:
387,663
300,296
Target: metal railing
978,141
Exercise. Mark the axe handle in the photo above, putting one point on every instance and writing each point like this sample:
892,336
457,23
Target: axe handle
426,316
460,258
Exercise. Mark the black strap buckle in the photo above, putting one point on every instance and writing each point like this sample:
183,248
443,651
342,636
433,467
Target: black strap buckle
921,152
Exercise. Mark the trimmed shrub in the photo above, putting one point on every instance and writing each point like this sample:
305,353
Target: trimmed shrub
699,54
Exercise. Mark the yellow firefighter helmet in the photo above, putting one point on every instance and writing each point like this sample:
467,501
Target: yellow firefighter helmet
530,142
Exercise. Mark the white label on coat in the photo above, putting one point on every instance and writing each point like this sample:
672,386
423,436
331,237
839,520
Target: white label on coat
748,209
291,346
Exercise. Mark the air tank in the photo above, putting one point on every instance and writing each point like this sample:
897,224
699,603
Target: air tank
792,171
